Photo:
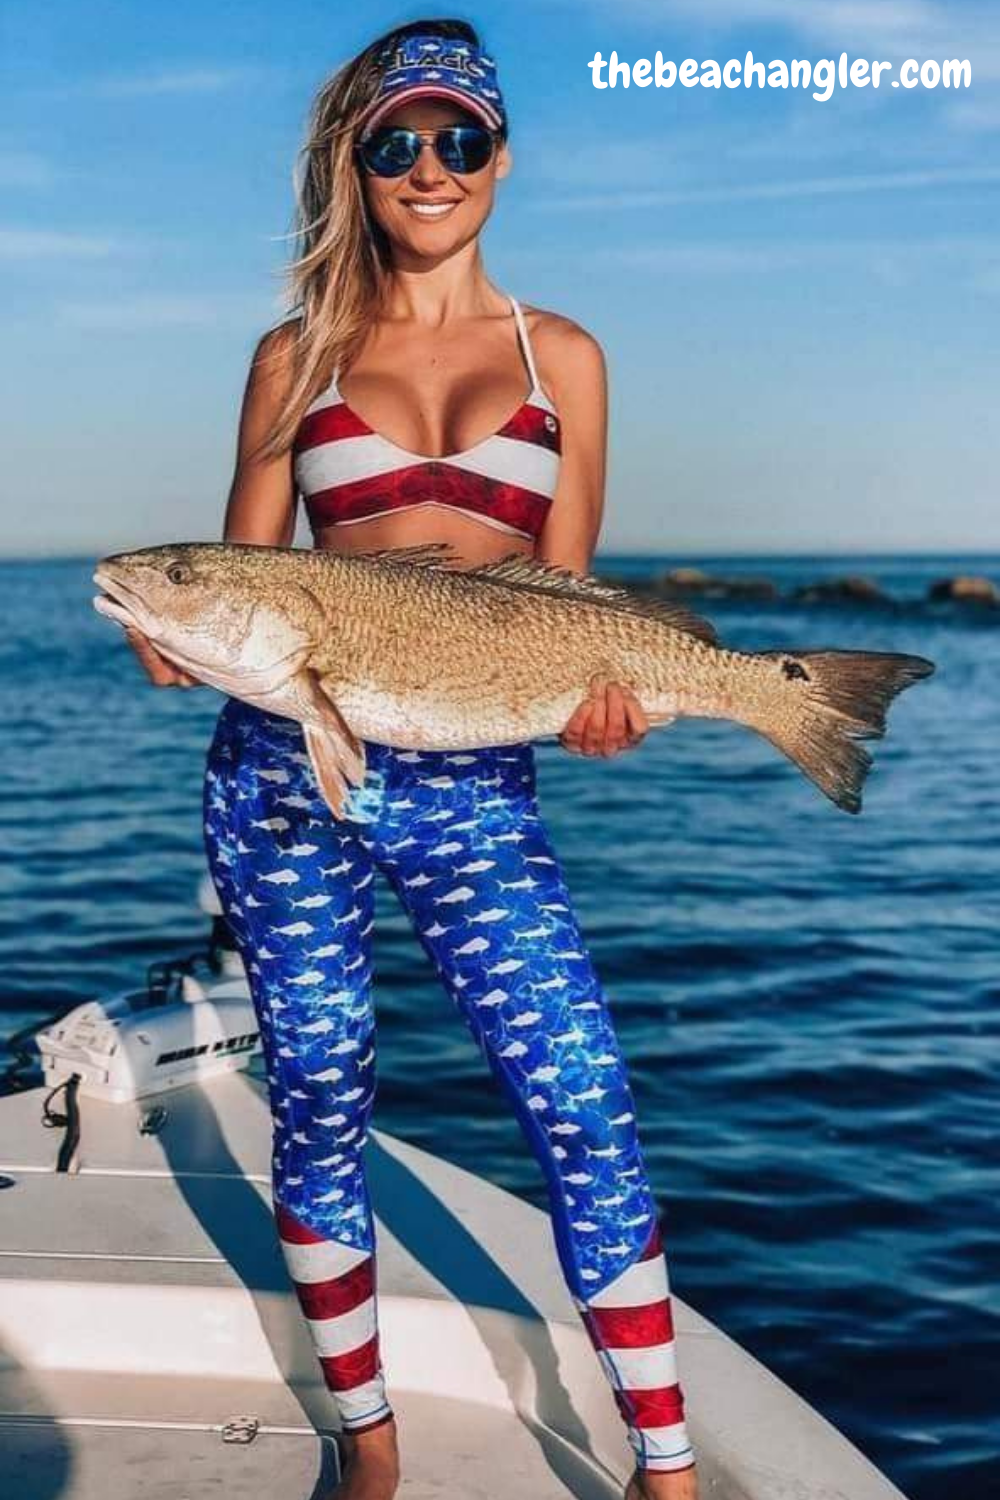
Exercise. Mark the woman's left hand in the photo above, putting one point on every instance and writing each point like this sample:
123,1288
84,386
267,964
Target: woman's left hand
610,720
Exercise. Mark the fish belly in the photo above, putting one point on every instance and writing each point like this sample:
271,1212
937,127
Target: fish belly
433,721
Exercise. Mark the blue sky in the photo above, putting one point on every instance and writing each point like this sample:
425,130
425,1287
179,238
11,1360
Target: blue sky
799,301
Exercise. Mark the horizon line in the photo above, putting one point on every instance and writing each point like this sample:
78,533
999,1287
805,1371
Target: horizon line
633,553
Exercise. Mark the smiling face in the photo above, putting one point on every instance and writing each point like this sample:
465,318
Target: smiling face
430,212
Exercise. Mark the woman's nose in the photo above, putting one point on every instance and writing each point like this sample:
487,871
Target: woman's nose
427,168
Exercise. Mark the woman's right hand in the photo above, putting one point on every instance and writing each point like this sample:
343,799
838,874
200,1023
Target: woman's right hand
158,669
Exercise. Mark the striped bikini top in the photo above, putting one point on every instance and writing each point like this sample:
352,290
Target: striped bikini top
347,472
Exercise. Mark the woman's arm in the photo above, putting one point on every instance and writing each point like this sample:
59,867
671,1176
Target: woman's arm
580,387
612,718
261,504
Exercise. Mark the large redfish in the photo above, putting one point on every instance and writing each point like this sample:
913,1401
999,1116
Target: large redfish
404,648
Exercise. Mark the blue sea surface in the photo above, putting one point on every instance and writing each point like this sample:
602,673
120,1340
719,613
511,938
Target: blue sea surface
807,1000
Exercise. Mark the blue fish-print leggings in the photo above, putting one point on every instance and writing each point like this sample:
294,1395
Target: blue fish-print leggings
460,838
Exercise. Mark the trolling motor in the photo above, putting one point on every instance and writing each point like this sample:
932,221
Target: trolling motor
194,1020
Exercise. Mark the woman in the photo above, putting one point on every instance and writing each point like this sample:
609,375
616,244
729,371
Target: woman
373,404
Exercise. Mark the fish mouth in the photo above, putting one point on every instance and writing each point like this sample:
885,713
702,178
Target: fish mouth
122,603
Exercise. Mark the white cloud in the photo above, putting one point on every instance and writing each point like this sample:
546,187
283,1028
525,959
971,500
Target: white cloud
974,117
206,80
152,83
55,244
700,258
24,169
167,311
897,18
803,187
988,280
567,157
969,259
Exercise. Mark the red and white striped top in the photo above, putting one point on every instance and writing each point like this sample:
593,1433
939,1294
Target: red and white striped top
347,472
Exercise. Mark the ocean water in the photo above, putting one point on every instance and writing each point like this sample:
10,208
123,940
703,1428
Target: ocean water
808,1001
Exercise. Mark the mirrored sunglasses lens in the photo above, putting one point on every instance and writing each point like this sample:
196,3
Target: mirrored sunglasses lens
466,148
390,153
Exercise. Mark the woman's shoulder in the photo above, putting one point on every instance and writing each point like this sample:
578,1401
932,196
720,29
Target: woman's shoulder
272,368
275,348
568,355
558,331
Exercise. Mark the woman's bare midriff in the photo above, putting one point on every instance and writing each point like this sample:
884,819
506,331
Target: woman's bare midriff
472,541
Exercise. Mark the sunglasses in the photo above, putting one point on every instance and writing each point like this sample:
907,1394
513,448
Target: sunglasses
392,150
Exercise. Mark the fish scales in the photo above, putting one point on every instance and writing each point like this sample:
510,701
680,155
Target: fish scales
429,658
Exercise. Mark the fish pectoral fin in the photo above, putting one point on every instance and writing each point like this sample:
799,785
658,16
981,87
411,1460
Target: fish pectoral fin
336,753
328,767
351,748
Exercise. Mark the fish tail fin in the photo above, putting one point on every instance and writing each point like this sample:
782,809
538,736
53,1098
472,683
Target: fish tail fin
828,700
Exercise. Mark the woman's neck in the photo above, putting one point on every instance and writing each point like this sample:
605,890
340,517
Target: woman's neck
434,294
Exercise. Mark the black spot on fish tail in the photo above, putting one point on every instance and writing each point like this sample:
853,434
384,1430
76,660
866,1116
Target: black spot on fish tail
840,697
794,669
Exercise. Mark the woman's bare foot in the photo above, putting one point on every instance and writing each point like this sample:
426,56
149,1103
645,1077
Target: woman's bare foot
647,1485
371,1468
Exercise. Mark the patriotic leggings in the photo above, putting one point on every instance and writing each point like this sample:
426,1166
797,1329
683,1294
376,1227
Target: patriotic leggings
461,841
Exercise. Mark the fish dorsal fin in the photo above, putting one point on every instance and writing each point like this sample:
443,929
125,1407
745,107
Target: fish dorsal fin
520,571
527,572
424,554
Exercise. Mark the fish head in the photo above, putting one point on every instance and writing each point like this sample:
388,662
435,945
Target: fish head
232,615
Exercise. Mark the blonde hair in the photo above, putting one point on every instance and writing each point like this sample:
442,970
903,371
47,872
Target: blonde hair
336,281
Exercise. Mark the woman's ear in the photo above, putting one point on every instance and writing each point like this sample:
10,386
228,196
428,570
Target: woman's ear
505,160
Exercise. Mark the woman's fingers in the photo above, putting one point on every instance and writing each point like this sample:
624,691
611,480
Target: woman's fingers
152,661
596,725
571,737
616,734
158,669
579,730
637,722
610,720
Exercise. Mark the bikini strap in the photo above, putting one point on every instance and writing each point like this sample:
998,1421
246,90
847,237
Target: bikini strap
529,358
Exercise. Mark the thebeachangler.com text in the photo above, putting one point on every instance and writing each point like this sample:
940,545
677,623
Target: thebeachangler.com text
823,76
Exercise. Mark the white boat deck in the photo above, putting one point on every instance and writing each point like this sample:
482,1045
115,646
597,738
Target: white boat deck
144,1304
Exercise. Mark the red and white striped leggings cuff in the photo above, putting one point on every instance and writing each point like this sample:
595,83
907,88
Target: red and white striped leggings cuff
630,1324
661,1453
335,1285
360,1425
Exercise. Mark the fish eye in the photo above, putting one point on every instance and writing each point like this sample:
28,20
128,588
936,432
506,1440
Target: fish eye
177,573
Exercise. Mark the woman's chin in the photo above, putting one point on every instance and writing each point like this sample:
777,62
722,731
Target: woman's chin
437,236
